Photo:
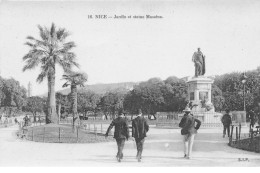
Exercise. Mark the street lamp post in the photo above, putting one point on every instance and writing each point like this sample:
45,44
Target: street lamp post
243,80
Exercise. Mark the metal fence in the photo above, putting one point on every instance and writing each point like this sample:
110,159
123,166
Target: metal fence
84,133
245,140
6,123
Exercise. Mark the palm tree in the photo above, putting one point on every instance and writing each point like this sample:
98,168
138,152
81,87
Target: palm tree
49,50
74,79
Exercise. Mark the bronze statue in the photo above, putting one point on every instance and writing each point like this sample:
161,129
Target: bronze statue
199,60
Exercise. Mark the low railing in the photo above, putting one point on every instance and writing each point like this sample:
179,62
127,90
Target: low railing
6,123
249,141
63,134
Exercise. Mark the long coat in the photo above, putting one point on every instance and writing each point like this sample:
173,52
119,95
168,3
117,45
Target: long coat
188,124
121,128
226,120
139,127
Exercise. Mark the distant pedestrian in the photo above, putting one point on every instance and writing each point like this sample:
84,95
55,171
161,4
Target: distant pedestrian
26,121
252,118
15,120
139,130
226,121
121,133
188,131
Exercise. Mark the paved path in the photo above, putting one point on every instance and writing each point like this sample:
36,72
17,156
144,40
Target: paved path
210,149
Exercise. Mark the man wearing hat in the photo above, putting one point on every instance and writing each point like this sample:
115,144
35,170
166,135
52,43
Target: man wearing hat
226,121
188,131
121,133
139,130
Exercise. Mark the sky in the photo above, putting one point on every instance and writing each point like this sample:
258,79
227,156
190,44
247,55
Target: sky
132,50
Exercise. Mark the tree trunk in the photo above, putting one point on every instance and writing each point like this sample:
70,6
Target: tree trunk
74,104
59,109
51,115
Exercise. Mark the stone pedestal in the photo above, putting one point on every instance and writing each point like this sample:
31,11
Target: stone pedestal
199,89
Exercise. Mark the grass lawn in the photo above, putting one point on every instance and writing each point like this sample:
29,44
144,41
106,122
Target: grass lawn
55,133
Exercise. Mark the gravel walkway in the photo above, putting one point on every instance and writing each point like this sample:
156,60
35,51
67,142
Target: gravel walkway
210,149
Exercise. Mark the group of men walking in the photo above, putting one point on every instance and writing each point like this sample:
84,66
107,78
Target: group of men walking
140,127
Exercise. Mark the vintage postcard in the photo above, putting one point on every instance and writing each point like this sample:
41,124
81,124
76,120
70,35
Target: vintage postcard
130,83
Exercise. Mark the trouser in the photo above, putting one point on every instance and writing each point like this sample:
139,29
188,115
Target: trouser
120,146
139,146
188,143
226,128
252,124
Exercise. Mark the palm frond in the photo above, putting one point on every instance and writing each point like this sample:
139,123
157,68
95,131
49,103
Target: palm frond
31,63
38,43
60,34
30,38
43,33
65,85
66,48
42,76
30,44
65,66
70,57
34,53
53,30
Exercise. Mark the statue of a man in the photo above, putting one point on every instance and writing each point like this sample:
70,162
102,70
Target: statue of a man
199,60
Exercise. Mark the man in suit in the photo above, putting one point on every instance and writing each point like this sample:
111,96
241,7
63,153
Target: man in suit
226,121
121,133
139,130
188,131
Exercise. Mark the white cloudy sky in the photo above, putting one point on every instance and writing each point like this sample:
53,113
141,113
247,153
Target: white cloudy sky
120,50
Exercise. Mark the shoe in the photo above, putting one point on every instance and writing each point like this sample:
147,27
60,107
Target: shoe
224,136
185,155
139,160
188,157
118,159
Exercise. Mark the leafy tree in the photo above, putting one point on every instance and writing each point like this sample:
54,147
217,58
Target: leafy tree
2,94
14,95
49,50
111,102
233,89
147,95
74,79
175,94
217,98
34,104
88,101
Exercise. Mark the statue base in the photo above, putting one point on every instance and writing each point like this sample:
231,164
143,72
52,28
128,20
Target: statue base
199,93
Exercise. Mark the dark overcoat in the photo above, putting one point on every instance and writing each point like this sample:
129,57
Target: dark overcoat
139,127
188,124
121,128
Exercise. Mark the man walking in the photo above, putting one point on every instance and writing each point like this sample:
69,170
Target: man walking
26,121
121,133
226,120
252,118
139,130
188,131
